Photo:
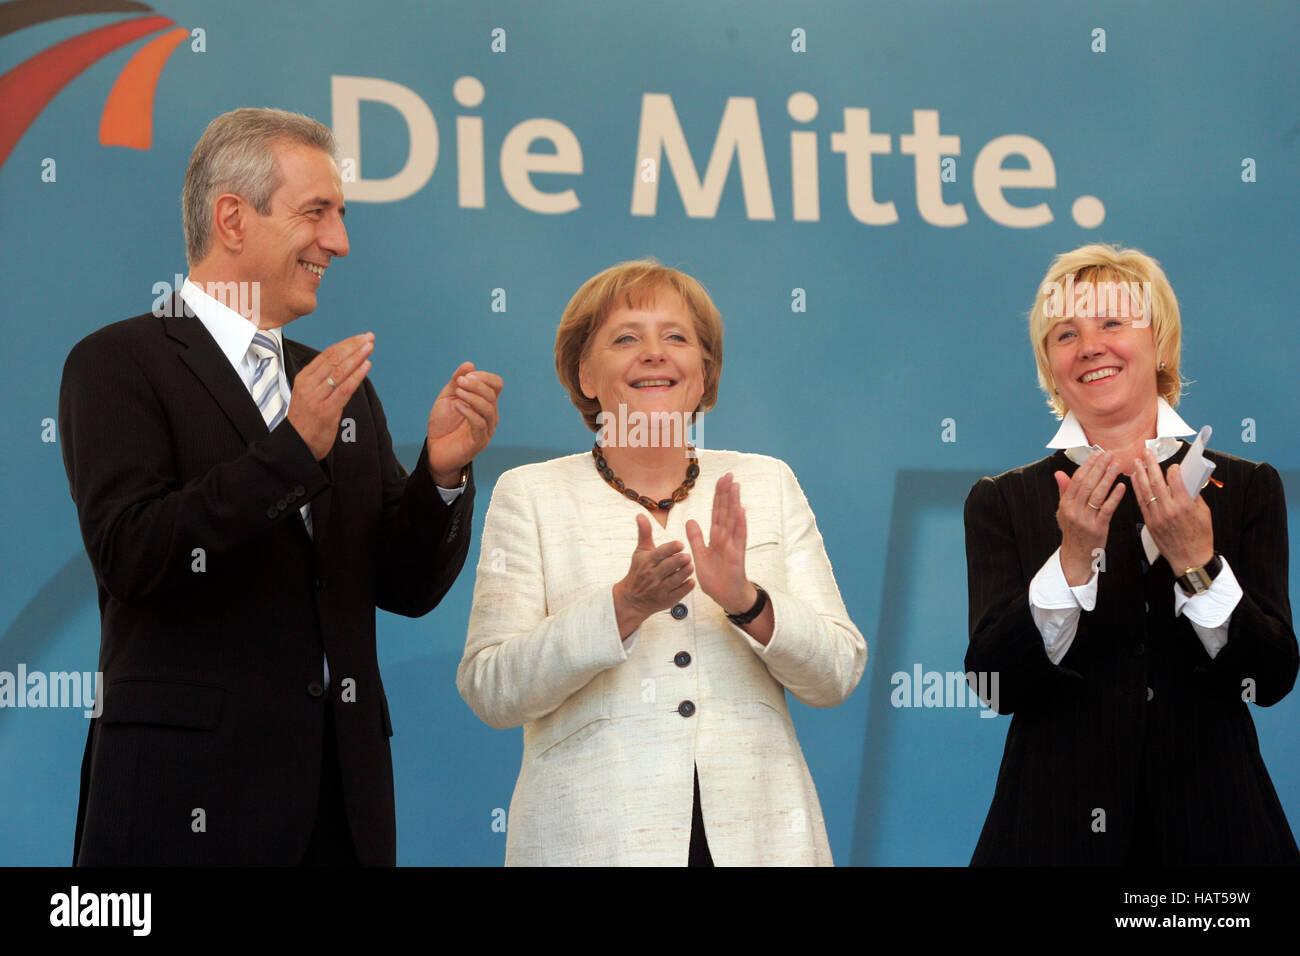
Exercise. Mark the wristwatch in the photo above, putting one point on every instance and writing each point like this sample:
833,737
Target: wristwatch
740,620
1196,581
464,479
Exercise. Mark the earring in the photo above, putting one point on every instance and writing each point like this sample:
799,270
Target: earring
1162,366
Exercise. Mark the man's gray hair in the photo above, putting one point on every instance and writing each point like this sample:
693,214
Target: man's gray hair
234,155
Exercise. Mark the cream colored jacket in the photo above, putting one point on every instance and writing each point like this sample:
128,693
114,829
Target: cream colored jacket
609,752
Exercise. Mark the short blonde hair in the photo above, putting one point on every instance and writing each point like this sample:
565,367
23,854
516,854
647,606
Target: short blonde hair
1100,262
633,284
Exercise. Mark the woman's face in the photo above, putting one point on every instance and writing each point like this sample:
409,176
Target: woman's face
1103,359
647,358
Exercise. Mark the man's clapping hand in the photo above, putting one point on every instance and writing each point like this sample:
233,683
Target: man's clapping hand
316,405
462,421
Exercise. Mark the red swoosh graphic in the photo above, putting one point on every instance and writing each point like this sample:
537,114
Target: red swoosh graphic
28,88
128,112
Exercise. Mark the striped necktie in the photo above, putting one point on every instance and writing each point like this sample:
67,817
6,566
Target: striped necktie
266,379
265,389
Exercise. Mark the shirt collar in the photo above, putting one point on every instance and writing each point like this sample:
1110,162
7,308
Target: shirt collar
1169,426
233,333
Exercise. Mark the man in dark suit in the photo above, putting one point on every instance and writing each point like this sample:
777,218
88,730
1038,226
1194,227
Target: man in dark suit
244,515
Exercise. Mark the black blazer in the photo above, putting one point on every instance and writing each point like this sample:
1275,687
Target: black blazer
1136,701
217,605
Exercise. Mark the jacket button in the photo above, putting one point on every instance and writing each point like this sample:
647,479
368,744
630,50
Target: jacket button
271,512
686,708
282,504
1139,649
1147,605
315,688
1150,694
682,659
299,490
678,611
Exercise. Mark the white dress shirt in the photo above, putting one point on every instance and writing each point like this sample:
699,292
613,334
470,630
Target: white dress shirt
1056,606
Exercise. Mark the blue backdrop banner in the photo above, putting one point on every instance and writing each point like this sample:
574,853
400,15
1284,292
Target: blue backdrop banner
871,193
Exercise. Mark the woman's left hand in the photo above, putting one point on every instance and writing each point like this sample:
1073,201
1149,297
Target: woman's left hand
720,566
1179,524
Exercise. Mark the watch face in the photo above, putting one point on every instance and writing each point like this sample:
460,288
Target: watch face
1197,579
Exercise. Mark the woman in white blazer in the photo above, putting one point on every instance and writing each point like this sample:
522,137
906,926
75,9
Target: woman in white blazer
656,730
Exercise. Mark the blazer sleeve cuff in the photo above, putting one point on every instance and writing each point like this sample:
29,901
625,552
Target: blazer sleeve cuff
820,661
290,452
428,505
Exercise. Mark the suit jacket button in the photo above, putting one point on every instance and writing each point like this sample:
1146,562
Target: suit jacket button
1139,649
271,512
299,490
682,659
315,688
686,708
1150,694
282,504
678,611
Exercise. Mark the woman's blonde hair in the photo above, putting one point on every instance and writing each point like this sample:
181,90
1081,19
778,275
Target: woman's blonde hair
633,284
1099,264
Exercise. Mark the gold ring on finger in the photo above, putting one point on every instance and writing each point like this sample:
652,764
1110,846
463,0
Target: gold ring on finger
1092,506
1153,499
329,380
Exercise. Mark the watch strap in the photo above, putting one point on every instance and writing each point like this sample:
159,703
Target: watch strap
759,603
1203,575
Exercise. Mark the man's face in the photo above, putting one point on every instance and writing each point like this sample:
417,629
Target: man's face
288,250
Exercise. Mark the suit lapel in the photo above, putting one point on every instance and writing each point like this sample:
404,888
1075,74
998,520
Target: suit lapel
209,364
205,359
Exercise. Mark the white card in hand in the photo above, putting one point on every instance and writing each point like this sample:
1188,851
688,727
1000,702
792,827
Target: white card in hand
1196,471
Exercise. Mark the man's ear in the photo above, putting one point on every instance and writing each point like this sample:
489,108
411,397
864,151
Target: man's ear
229,222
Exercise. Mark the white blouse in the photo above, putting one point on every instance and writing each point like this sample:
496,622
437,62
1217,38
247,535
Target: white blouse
613,730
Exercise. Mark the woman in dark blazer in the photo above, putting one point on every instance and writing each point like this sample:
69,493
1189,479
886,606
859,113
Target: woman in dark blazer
1129,679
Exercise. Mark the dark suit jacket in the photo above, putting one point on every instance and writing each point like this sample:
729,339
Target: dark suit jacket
217,605
1136,701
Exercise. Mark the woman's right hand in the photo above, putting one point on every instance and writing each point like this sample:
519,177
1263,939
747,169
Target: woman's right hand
657,579
1087,502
